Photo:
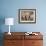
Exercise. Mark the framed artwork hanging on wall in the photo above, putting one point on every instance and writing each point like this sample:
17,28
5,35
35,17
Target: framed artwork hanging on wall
27,16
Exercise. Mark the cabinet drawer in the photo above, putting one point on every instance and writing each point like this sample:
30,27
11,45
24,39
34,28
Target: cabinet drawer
34,37
33,43
13,43
10,42
37,43
12,37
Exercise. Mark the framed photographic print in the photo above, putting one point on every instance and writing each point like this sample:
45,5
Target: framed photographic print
27,15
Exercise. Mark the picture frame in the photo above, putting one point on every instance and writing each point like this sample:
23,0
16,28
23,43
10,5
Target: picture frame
27,16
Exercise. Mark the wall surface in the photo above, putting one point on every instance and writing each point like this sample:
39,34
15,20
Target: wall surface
9,8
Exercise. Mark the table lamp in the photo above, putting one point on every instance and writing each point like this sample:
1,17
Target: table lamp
9,21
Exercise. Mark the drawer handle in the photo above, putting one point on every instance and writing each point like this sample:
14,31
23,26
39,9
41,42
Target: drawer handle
33,42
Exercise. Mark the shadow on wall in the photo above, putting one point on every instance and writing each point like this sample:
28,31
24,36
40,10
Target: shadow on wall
2,21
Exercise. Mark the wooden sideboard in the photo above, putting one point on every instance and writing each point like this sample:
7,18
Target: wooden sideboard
20,39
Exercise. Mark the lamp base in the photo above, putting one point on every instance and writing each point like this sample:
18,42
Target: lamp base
9,33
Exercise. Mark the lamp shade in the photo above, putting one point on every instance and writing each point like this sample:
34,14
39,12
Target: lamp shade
9,21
